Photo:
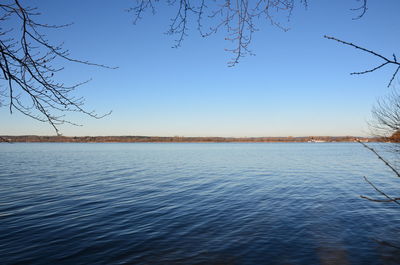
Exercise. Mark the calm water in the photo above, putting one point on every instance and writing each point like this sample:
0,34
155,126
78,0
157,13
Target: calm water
267,203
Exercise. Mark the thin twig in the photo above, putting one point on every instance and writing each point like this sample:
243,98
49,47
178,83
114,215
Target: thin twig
28,67
390,199
384,58
237,18
381,158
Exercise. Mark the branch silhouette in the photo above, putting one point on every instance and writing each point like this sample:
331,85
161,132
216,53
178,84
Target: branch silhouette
28,68
386,60
363,8
389,198
237,18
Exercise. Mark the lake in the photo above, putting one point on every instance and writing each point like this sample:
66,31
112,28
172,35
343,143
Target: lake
196,203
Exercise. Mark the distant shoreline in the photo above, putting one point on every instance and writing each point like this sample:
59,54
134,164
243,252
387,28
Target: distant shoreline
176,139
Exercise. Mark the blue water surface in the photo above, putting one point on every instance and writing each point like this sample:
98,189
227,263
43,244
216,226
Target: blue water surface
196,203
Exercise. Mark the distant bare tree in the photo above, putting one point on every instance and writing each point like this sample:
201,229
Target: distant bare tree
28,68
386,116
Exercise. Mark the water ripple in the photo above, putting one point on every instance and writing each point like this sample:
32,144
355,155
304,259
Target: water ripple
194,204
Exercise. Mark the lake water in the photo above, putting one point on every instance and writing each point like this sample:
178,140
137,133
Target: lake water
195,203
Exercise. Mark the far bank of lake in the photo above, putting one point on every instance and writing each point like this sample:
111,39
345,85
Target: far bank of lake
179,139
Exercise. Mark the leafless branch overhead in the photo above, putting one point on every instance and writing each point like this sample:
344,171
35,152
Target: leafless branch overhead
363,9
237,18
386,60
28,68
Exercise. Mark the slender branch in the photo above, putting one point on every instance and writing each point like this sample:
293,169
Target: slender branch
389,199
381,158
363,9
27,60
238,18
384,58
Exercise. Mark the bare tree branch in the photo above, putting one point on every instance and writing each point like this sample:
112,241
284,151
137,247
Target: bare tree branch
381,158
386,60
28,68
237,18
363,8
389,198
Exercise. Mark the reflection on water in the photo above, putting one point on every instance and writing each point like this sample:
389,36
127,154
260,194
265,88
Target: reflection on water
267,203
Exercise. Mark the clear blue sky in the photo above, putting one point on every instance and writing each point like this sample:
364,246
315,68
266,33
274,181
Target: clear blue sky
297,84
